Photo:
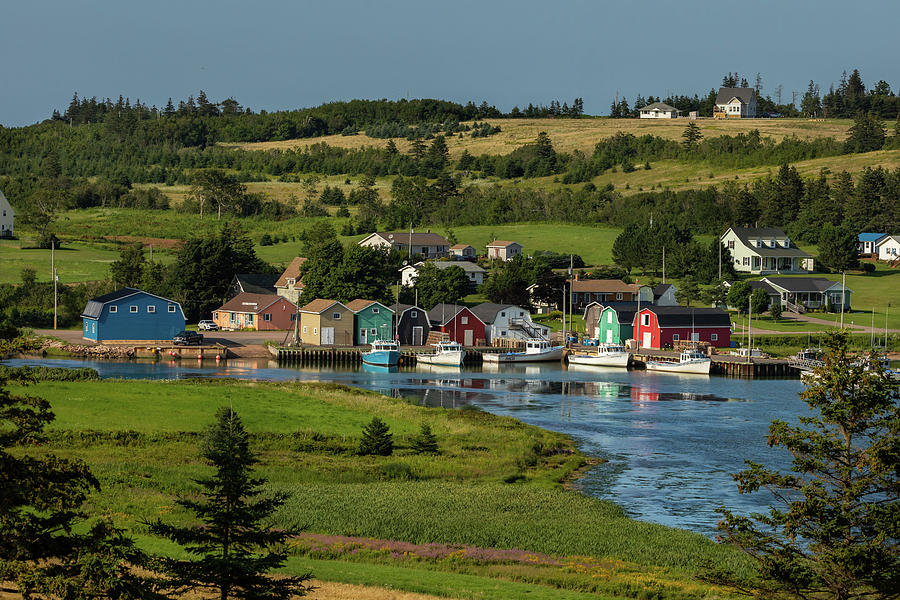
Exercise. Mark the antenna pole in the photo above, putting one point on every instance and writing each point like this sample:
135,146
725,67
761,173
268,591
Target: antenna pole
53,274
843,296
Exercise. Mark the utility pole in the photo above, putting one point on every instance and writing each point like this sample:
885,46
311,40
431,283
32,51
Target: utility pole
664,264
720,259
843,296
750,329
565,338
53,274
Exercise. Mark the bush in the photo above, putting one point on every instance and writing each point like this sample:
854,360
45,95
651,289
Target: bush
265,240
425,442
868,267
51,373
400,471
376,439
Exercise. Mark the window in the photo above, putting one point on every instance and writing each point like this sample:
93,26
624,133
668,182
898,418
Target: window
413,314
464,320
746,261
373,331
305,329
731,244
375,311
503,314
759,243
151,309
675,337
113,309
290,281
609,317
233,317
315,331
503,333
267,317
249,318
618,295
216,316
171,308
645,319
714,337
133,308
336,316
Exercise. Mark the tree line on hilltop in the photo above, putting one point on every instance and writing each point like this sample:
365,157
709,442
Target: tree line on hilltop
845,101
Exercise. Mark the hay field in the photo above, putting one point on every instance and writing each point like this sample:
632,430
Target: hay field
583,134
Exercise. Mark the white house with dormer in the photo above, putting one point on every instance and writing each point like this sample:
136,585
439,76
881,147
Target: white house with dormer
765,250
6,217
429,245
735,103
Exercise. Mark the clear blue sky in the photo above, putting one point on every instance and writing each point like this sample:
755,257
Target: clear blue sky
291,54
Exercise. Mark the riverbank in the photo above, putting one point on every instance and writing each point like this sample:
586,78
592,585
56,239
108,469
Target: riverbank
495,486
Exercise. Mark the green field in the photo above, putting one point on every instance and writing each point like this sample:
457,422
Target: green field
495,486
75,262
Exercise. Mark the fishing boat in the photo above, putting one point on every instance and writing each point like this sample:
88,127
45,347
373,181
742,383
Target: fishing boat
445,353
690,361
536,350
808,360
384,353
607,355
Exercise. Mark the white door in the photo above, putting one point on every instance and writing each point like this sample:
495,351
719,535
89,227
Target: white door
647,339
328,336
469,338
362,336
609,336
417,335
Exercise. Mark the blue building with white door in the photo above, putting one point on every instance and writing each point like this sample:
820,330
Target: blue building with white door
131,314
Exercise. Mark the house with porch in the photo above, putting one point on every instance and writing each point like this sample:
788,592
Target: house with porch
507,321
658,327
763,250
585,291
259,312
735,103
326,323
428,245
289,284
131,314
373,321
867,243
459,323
800,293
503,250
412,324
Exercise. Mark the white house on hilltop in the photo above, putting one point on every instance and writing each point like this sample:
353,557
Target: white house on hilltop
765,250
429,245
6,217
659,110
735,103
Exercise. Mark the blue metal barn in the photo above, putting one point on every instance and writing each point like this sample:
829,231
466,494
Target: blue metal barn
131,314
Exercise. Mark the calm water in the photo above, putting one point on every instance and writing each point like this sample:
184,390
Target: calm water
672,441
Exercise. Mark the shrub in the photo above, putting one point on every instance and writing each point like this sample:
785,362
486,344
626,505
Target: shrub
425,442
401,471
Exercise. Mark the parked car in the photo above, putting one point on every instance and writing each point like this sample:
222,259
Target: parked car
207,326
188,338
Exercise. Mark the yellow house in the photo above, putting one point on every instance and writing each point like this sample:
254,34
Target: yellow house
326,323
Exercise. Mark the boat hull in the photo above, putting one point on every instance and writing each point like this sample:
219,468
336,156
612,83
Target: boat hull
453,358
552,354
700,367
600,360
381,358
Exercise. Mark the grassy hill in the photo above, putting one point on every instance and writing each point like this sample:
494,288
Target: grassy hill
583,134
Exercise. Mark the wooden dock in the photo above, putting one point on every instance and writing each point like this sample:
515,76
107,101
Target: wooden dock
318,355
162,351
729,366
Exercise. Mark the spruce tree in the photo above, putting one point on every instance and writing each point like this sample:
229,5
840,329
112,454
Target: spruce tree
376,439
235,550
691,135
425,442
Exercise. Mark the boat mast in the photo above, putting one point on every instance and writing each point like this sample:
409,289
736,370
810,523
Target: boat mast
749,329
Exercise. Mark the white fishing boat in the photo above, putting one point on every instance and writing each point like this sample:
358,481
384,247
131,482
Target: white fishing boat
536,350
808,360
384,353
445,354
607,355
690,361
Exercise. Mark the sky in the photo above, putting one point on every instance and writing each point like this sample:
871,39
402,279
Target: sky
291,54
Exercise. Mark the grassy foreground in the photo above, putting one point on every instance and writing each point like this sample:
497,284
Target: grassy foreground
486,518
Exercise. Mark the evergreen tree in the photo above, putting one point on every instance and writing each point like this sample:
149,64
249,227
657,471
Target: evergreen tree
128,271
691,135
391,147
425,442
233,545
775,311
376,439
687,291
40,509
759,301
838,248
810,105
866,134
833,531
739,296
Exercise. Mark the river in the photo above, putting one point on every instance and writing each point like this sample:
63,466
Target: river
671,441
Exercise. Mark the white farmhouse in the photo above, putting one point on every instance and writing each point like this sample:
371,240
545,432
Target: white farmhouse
764,250
6,217
507,321
888,248
410,273
735,103
659,110
429,245
503,250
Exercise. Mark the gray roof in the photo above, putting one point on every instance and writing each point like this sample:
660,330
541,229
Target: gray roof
659,106
256,283
444,313
468,267
487,311
749,235
418,239
94,306
661,289
762,285
624,310
726,94
803,284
